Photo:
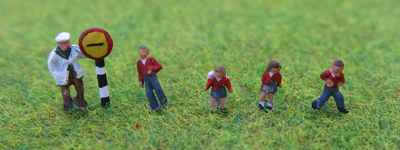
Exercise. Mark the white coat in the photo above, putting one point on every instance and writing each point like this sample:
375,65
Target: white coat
58,65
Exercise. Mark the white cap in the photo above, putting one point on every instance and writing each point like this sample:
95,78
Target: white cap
62,37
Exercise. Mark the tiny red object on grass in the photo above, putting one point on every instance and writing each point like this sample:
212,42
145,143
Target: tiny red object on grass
398,90
138,125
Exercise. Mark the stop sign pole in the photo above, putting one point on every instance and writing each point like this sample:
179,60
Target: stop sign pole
102,81
96,43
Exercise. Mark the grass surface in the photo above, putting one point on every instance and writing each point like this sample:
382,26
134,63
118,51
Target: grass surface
190,38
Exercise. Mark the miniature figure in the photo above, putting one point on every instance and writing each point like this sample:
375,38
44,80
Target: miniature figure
334,78
64,66
218,91
271,80
147,68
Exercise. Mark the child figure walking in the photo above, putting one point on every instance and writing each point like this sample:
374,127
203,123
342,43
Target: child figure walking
270,81
334,79
218,91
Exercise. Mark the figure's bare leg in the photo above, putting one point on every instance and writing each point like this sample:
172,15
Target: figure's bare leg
263,96
213,102
222,102
270,98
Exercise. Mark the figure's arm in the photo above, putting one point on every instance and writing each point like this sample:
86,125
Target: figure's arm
80,54
325,75
342,81
155,66
52,64
264,78
229,86
280,81
209,83
140,76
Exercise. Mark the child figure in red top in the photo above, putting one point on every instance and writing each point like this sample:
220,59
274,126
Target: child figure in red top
334,78
147,68
271,80
218,91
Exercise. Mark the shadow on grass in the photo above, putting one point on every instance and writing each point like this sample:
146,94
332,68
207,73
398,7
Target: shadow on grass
327,113
77,113
97,109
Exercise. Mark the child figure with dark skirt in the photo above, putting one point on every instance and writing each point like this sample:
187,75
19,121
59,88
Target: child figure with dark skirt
218,91
334,78
271,80
147,68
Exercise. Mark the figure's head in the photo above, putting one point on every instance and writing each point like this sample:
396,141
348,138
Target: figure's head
337,66
143,51
274,66
220,71
62,40
64,45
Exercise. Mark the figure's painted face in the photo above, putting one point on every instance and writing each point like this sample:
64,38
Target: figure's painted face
219,74
275,70
143,53
64,45
336,69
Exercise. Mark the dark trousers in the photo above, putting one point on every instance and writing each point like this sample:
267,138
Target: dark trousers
78,83
152,83
337,95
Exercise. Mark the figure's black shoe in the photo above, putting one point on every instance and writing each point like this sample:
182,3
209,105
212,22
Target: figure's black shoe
269,108
68,108
260,106
343,110
314,105
85,104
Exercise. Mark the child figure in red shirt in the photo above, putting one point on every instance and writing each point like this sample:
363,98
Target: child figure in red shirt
271,80
218,91
334,78
147,68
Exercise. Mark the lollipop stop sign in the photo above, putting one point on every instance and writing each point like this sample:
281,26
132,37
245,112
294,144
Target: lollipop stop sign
96,43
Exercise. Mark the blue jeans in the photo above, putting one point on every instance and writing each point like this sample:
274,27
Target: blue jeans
337,95
151,83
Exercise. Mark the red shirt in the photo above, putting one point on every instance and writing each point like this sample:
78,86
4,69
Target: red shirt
275,77
328,75
150,63
217,84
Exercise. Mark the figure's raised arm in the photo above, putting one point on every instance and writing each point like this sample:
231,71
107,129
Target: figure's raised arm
155,65
325,75
80,54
